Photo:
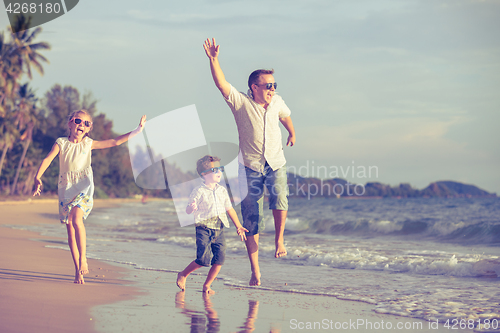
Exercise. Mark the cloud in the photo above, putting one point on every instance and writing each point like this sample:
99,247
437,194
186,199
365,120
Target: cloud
403,150
387,138
140,14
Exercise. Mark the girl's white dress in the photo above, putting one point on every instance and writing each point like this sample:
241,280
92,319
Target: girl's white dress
76,181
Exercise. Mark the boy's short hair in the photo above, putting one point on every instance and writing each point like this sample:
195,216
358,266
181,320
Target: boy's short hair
254,77
204,163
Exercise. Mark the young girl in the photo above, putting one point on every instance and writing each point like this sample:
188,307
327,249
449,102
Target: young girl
76,185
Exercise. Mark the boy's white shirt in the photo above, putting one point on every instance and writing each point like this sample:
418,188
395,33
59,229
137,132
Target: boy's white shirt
210,203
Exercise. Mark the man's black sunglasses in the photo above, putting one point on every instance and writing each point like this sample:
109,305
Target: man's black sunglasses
269,85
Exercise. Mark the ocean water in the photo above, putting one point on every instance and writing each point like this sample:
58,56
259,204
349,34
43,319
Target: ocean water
434,259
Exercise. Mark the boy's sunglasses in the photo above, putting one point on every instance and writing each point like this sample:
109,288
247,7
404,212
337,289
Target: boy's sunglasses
78,121
214,170
269,85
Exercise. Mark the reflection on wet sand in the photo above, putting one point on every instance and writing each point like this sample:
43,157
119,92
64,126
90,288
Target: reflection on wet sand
249,325
198,319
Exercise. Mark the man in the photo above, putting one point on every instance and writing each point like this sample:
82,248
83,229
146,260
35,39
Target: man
262,162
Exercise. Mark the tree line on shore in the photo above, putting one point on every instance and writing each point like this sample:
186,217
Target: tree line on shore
30,124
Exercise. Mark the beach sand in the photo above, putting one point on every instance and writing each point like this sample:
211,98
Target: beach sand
239,309
38,295
243,309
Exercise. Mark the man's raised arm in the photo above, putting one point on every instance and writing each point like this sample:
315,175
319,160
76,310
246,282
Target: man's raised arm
212,51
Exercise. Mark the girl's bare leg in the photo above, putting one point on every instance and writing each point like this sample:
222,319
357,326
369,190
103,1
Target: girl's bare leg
74,253
76,219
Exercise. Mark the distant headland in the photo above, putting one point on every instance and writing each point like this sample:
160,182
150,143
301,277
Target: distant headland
340,188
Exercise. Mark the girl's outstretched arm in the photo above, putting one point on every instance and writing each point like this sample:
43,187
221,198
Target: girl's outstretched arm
43,166
121,139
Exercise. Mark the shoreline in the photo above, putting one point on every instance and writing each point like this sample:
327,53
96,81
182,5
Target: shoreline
36,282
245,309
119,298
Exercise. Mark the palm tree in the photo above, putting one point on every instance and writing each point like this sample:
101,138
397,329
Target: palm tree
7,139
28,51
17,57
8,77
17,103
10,71
26,119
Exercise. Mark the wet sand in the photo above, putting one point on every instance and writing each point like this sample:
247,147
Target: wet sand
37,294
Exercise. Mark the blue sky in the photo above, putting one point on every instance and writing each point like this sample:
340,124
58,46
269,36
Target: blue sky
410,87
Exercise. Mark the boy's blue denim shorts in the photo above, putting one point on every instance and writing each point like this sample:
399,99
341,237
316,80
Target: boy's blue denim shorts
253,195
210,242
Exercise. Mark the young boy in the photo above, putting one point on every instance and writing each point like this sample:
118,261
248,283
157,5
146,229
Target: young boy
210,202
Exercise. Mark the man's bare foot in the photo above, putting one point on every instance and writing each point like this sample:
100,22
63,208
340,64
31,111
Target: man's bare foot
181,281
79,278
208,290
84,268
206,299
280,250
255,279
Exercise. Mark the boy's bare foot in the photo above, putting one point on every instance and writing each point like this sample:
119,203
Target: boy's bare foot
84,268
79,278
181,281
208,290
254,279
179,299
280,250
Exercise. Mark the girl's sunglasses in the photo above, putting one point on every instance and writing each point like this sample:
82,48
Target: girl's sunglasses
78,121
214,170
